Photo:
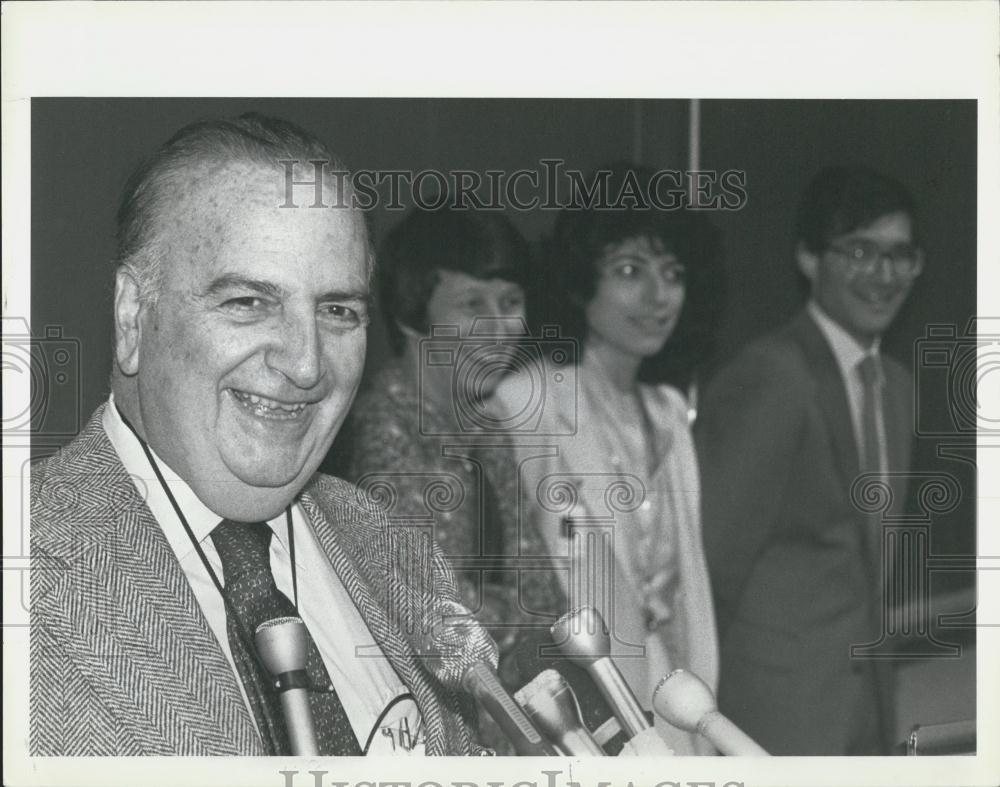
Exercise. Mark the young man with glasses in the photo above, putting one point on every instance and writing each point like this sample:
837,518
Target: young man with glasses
784,431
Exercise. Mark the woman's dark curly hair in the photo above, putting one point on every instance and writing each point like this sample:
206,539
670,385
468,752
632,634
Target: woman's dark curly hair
584,235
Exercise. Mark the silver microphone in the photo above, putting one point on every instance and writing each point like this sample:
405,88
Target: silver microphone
283,644
684,700
583,638
464,656
551,705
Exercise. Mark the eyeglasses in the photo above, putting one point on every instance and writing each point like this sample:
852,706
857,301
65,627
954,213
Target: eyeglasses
865,257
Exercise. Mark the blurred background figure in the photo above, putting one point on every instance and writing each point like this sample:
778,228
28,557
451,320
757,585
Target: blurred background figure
621,283
452,295
784,430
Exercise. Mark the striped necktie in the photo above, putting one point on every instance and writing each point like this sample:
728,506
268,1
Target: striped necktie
870,371
244,550
873,460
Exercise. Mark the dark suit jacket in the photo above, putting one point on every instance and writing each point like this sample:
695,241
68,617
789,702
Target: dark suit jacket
794,564
123,661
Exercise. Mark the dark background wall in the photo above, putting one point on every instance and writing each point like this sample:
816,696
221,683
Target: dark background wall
84,149
928,145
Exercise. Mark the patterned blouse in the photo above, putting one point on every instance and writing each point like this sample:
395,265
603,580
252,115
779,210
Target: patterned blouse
463,487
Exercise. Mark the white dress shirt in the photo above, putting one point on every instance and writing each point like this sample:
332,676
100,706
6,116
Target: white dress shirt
849,354
366,685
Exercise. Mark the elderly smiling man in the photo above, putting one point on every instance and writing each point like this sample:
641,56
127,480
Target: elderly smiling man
188,511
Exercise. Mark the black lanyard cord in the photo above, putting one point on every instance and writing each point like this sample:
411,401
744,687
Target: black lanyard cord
245,635
385,712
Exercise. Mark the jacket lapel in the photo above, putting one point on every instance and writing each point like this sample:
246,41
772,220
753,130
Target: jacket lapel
831,397
206,710
138,630
126,616
371,589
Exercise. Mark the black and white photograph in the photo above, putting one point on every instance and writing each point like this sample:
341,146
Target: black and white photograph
367,428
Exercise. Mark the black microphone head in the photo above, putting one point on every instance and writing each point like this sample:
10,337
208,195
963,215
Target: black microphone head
454,641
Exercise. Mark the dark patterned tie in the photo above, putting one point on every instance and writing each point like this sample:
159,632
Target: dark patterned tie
244,550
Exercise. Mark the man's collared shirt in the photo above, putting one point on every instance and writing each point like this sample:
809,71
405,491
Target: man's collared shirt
366,685
849,354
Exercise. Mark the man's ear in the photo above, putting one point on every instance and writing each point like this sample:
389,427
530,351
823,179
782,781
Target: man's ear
808,262
128,325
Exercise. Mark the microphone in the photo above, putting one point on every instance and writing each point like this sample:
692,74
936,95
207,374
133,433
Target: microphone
551,705
535,653
583,638
683,699
466,658
282,644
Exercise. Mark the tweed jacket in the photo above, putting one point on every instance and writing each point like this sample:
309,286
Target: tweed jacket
794,564
122,660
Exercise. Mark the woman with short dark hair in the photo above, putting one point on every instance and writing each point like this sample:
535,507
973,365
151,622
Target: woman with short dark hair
451,285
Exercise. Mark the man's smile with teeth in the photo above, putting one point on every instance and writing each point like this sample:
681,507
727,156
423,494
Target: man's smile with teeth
878,297
262,406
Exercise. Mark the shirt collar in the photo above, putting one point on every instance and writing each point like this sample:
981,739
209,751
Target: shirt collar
201,519
845,347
